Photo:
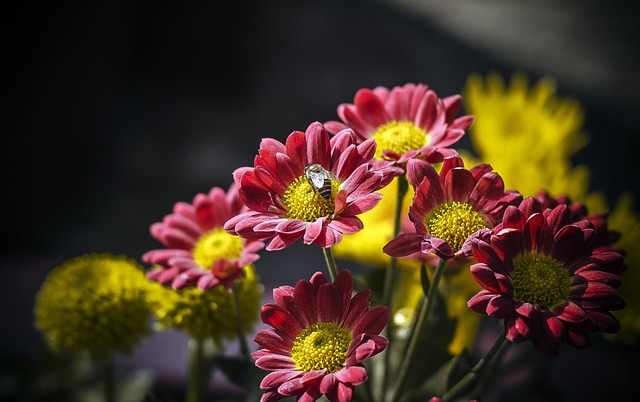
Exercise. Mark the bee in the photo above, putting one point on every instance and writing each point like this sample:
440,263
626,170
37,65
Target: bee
320,179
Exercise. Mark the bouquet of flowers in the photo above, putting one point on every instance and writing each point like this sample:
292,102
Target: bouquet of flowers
443,238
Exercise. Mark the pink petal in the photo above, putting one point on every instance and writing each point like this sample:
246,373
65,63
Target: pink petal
334,127
353,375
272,341
346,224
273,362
277,378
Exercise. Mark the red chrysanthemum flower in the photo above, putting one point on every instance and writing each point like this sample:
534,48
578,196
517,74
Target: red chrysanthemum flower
452,208
604,237
541,275
320,337
406,122
312,187
200,252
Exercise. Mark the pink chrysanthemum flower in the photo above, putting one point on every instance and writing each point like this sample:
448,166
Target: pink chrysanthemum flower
452,208
312,187
200,252
406,122
320,337
540,274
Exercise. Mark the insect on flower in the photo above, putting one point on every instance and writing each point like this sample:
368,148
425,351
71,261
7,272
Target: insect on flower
319,178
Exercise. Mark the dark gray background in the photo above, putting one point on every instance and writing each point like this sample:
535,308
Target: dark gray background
116,110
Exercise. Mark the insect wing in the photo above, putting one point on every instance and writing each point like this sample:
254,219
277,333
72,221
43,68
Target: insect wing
317,178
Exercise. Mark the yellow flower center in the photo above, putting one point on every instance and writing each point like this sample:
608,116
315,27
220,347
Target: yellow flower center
322,346
540,280
303,201
214,245
454,222
399,137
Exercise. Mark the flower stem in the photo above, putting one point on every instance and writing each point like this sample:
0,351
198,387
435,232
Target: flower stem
331,262
383,366
109,382
195,376
244,347
475,372
390,273
418,326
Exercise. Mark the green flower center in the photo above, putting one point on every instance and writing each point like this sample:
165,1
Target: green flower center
399,137
214,245
322,346
540,280
454,222
303,201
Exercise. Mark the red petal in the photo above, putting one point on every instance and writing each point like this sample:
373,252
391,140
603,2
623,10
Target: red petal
570,312
458,185
280,319
329,304
370,108
297,148
372,321
403,245
270,340
318,146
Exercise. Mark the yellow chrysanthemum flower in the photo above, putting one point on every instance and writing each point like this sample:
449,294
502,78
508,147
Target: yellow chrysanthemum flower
95,303
207,314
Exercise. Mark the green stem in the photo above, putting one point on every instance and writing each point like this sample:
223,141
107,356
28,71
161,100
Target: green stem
390,273
108,378
418,326
384,363
331,262
476,371
244,347
195,375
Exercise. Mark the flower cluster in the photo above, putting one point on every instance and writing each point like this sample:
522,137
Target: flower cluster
94,302
450,237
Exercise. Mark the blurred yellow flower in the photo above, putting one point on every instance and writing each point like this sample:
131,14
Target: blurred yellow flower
95,303
207,314
528,134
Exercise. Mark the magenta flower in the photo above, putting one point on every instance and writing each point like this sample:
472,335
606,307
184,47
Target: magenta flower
312,187
200,252
452,208
540,274
320,337
406,122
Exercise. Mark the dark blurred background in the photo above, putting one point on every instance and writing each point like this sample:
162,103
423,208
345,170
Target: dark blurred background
116,110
